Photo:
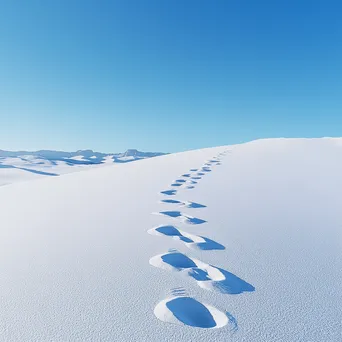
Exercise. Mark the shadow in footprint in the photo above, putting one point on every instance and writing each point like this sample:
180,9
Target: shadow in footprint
186,218
191,240
191,312
207,276
174,232
186,175
194,205
208,245
186,310
178,260
232,284
171,201
176,184
187,204
169,192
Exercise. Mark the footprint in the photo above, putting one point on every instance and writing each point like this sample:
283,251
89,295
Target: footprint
176,184
190,187
169,192
195,177
180,181
205,169
186,175
200,174
171,201
193,170
183,217
191,241
187,204
207,276
189,311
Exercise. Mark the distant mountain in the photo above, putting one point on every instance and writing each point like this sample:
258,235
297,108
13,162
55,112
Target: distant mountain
25,165
81,156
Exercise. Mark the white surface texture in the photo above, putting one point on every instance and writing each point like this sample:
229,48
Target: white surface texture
75,249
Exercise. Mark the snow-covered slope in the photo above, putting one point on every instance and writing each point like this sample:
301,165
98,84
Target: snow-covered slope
245,249
23,166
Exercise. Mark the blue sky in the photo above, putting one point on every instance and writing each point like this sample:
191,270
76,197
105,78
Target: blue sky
167,75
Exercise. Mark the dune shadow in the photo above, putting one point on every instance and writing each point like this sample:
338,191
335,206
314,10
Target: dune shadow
43,173
2,166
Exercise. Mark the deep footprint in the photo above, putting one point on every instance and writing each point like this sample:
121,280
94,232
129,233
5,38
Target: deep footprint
169,192
207,276
190,240
186,175
183,217
187,204
189,311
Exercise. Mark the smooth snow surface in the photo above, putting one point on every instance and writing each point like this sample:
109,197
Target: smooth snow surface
253,252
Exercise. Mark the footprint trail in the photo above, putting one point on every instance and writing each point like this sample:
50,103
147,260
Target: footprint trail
180,308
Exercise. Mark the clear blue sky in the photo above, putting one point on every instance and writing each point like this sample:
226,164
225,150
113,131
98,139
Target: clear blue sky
167,75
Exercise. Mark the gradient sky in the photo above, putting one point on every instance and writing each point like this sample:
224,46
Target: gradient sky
167,75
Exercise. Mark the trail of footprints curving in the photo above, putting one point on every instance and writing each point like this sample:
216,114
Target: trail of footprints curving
179,307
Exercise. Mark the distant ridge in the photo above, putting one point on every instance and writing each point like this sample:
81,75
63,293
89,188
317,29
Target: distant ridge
81,156
18,166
